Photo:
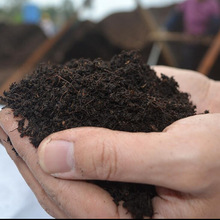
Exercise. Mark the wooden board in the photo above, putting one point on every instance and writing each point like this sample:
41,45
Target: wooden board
210,57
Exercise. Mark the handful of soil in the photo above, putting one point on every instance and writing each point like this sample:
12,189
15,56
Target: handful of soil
122,94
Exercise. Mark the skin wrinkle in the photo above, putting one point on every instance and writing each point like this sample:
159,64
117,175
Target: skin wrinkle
52,194
109,157
58,202
115,161
197,205
173,202
70,155
103,162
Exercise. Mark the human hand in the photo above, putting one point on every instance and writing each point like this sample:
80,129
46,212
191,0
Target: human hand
58,196
182,161
204,91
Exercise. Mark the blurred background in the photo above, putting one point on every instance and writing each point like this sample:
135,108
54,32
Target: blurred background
35,31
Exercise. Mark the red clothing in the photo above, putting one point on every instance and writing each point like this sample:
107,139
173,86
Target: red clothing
197,15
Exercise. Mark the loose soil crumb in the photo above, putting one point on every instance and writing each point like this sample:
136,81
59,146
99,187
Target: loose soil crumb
123,94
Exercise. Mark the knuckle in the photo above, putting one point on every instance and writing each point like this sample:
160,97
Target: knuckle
105,161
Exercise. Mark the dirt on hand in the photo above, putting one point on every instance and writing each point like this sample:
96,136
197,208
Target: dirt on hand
122,94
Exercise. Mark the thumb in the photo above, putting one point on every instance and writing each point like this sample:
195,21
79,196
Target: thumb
99,153
103,154
79,153
83,153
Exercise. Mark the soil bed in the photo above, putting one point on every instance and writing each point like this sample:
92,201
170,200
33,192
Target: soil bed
122,94
18,42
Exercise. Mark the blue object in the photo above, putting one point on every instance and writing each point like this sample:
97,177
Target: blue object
174,23
31,14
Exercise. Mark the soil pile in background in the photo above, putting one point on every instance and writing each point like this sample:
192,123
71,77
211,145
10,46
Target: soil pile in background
117,32
122,94
127,30
17,42
83,39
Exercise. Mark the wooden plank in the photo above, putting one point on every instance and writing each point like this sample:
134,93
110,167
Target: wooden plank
210,57
177,37
153,26
160,36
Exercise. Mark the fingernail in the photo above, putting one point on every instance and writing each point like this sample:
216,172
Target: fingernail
56,156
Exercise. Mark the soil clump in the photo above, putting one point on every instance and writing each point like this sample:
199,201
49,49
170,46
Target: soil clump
121,94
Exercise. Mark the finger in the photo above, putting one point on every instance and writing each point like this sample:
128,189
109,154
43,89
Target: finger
174,205
40,194
78,199
173,159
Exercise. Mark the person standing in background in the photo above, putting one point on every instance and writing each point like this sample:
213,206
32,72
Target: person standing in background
199,18
47,25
